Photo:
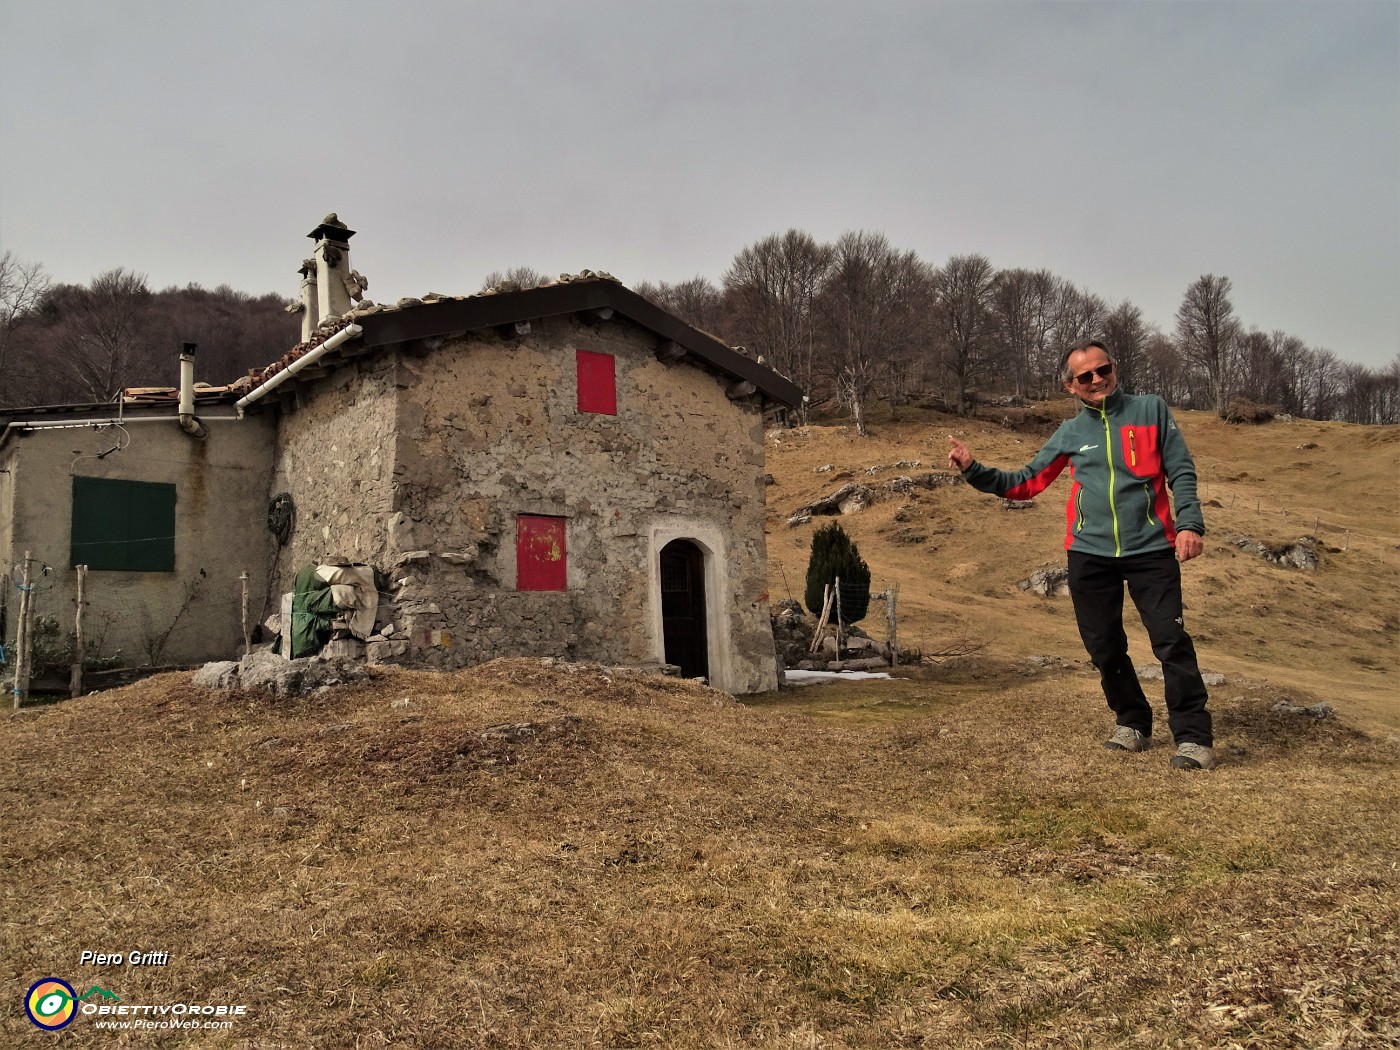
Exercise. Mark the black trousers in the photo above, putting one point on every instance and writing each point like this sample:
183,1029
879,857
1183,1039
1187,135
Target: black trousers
1154,582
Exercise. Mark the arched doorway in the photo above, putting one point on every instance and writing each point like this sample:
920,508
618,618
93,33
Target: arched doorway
683,621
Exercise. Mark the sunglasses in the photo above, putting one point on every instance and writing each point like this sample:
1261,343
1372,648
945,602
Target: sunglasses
1103,372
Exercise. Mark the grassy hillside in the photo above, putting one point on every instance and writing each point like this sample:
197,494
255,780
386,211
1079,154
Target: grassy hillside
545,855
957,555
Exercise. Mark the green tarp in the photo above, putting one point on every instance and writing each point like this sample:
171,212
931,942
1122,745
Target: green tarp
313,608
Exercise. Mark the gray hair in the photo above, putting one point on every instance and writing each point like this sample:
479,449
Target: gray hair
1065,374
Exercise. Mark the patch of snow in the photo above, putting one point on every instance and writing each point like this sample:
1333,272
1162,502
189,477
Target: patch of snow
814,677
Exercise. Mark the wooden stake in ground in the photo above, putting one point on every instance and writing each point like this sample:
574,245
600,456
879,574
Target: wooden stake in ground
891,595
21,687
75,670
247,638
821,623
840,623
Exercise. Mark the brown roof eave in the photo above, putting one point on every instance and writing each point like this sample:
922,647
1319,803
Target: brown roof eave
487,311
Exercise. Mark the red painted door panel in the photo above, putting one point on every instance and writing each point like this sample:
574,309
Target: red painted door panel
597,383
541,562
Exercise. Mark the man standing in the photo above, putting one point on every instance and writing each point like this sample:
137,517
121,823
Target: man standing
1123,452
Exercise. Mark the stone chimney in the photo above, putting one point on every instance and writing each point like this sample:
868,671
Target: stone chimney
310,314
334,278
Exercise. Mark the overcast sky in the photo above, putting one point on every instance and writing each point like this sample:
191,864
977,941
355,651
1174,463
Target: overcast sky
1128,147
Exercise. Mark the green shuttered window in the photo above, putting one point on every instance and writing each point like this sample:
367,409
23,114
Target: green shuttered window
123,525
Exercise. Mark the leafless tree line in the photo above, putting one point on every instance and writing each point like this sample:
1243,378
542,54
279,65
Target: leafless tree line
858,321
853,322
67,343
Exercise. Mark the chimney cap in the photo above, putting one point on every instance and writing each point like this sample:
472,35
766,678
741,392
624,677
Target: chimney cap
332,229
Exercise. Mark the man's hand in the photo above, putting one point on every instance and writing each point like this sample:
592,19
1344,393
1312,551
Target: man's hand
1188,545
959,458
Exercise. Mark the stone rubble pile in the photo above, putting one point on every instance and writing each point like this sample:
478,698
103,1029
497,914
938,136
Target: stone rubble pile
1301,554
853,497
1048,583
262,671
793,630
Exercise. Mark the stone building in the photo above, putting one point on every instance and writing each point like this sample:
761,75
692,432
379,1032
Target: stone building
566,470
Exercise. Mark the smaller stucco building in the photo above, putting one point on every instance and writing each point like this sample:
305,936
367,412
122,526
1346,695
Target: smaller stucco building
167,522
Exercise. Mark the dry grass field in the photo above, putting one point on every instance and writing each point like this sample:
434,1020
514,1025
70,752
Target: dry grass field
544,855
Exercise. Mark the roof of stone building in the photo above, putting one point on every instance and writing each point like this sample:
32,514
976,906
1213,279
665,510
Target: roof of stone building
435,316
133,399
588,293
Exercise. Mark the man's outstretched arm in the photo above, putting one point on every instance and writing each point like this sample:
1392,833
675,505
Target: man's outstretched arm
1022,484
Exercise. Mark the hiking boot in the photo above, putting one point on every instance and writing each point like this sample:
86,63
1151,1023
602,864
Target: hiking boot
1193,756
1126,738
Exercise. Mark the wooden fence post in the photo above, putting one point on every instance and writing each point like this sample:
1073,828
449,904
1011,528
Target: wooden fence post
21,687
247,639
893,593
821,622
840,623
75,670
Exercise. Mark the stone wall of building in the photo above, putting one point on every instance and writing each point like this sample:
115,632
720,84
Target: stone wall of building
490,429
419,464
336,458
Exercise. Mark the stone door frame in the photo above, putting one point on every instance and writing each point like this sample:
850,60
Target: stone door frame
713,549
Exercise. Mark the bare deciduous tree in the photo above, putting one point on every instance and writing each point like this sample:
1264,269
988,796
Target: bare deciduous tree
1390,409
98,340
514,279
772,288
1291,353
911,344
1370,396
1162,370
866,310
697,302
1259,372
1079,315
1207,334
1024,305
84,343
1126,334
963,294
22,288
1323,384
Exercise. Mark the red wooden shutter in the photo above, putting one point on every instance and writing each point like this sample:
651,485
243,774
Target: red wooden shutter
597,383
540,556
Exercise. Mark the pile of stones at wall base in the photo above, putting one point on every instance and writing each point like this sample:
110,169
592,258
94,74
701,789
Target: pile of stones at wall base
793,634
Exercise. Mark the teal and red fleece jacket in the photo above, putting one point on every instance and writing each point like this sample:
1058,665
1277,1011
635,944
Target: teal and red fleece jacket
1122,458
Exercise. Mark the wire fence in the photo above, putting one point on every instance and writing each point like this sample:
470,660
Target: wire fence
1294,521
122,626
126,622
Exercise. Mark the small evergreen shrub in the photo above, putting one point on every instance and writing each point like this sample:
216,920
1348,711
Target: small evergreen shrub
834,555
